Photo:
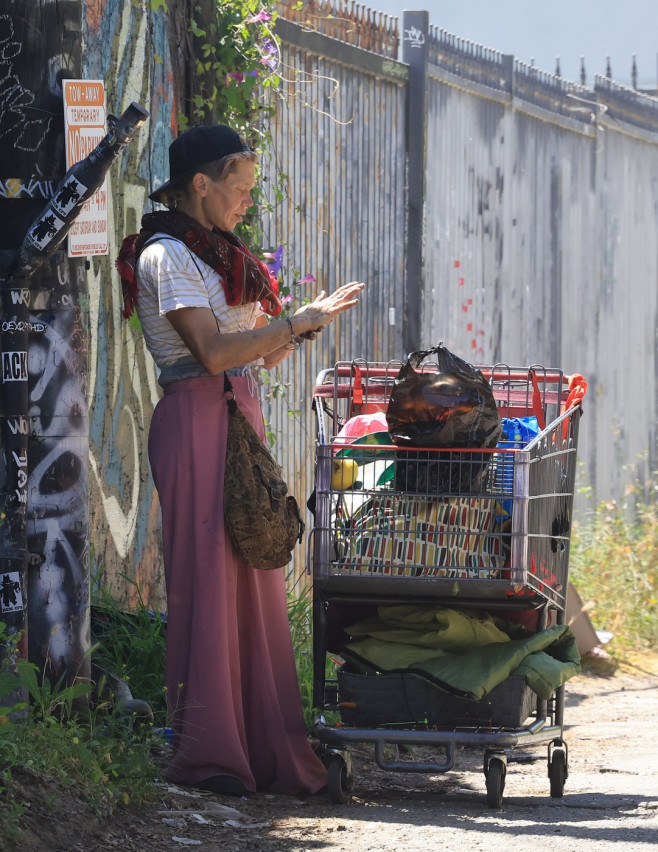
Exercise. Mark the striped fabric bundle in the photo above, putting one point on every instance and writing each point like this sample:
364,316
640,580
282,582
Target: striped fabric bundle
424,536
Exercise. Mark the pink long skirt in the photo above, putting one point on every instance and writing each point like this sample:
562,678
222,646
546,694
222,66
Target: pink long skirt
231,680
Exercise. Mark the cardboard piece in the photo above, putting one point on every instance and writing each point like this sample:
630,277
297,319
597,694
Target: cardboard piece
578,621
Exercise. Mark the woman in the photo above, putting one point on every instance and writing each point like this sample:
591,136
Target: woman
202,300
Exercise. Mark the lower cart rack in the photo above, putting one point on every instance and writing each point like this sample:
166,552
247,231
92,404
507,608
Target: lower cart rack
497,745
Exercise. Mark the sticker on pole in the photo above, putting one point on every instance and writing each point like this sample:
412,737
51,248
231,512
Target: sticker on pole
84,121
11,598
14,366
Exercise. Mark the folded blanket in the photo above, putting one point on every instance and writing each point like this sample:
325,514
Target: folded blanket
463,652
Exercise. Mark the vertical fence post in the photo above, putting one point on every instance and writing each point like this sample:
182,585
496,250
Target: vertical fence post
415,31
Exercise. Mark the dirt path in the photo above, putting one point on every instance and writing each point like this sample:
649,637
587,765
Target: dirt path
610,800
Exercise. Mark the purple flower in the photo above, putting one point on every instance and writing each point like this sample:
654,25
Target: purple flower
239,76
274,261
261,16
286,300
307,279
270,53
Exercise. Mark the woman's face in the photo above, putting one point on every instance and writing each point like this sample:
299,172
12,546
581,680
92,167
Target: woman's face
224,202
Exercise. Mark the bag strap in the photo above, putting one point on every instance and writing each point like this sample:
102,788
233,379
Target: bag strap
228,389
357,390
537,407
577,391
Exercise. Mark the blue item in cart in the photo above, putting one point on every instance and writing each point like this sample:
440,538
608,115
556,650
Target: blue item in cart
517,432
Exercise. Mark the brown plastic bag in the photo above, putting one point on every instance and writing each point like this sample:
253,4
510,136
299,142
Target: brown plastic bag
453,407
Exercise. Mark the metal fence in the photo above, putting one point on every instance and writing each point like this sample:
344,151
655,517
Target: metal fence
505,211
339,135
530,202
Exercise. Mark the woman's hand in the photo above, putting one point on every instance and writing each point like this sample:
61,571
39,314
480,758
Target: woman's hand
270,341
314,316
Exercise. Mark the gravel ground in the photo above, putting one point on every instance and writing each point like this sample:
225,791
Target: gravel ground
610,800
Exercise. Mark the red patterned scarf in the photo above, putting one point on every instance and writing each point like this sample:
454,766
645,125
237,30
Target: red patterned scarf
244,277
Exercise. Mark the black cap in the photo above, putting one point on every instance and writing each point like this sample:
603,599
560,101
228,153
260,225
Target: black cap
190,151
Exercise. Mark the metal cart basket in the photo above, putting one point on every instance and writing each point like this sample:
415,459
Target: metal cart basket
477,530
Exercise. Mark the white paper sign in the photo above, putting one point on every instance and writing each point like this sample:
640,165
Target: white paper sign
84,122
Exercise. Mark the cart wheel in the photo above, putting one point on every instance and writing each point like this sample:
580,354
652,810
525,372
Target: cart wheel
557,772
340,782
495,776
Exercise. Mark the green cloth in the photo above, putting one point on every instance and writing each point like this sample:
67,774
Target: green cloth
464,652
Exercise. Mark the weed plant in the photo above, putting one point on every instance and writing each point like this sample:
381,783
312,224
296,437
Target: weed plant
43,730
300,615
614,566
131,646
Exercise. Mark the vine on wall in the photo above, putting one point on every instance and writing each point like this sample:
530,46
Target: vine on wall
236,81
235,77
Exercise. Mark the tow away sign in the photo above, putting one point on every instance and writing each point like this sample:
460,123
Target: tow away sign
84,122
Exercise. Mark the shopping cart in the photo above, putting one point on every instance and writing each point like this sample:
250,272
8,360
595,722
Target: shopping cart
476,530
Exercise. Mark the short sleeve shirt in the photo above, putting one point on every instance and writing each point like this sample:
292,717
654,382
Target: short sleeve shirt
169,277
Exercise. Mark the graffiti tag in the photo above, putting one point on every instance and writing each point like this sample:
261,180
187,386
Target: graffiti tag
18,426
20,297
16,102
13,325
415,36
32,188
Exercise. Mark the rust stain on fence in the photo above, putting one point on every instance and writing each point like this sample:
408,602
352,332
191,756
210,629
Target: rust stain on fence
351,23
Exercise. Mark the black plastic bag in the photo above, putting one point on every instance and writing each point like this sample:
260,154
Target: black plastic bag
453,407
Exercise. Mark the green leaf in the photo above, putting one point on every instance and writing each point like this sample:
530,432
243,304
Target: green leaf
77,690
27,673
15,708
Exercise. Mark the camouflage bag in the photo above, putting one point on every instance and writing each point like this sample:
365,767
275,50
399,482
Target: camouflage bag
263,520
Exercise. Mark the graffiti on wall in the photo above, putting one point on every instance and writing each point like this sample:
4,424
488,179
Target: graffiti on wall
121,41
57,480
21,121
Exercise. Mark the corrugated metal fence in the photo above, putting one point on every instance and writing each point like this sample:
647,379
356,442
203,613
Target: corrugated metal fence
340,136
505,211
500,209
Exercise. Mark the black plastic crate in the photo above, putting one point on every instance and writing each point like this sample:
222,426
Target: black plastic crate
403,698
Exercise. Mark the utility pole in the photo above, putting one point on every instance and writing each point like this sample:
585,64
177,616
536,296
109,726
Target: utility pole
44,562
40,46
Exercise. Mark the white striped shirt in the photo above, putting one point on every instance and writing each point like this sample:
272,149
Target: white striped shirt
169,277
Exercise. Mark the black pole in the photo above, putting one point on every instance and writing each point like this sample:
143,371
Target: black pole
13,460
64,605
415,32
